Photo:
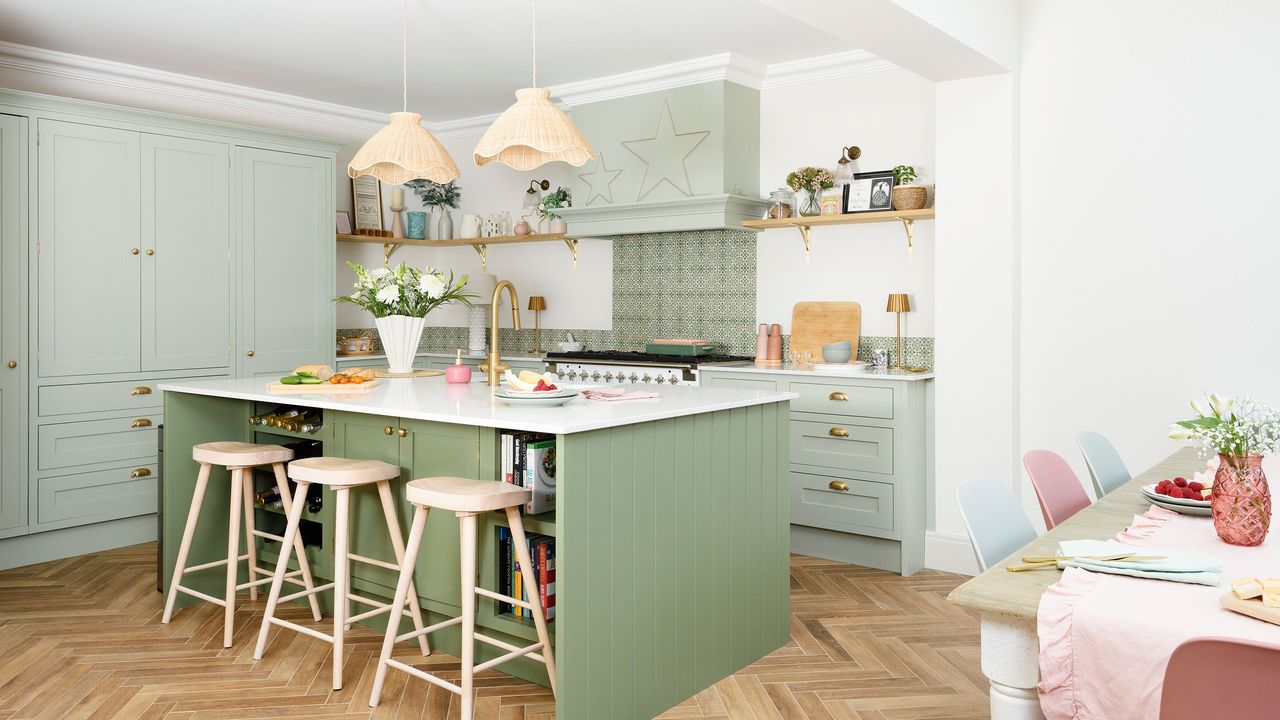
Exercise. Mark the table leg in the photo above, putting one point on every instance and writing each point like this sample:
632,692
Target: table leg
1011,661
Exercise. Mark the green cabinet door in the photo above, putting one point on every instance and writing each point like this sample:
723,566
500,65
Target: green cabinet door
13,466
89,250
186,260
368,437
287,256
428,450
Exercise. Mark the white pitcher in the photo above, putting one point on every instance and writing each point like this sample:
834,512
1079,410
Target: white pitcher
470,227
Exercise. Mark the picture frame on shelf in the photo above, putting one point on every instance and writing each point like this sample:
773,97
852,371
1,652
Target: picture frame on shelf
869,192
344,222
366,202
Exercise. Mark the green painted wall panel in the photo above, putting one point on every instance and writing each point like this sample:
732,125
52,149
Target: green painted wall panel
13,461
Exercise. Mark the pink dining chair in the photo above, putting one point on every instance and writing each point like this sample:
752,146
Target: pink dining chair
1057,488
1241,682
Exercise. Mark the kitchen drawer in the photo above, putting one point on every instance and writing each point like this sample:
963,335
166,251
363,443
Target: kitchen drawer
129,396
744,383
97,495
841,503
842,445
97,441
843,398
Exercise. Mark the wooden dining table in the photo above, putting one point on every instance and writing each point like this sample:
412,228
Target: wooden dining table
1008,601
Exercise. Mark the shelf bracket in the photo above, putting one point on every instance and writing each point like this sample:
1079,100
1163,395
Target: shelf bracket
572,244
483,252
388,249
909,225
804,233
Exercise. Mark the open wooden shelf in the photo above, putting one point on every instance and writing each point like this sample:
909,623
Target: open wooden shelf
806,223
480,245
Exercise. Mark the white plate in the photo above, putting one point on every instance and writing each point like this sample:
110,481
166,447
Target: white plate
1170,504
508,390
542,399
1150,492
855,366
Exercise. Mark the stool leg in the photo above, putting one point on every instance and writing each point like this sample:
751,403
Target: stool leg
403,586
286,499
246,492
341,576
233,555
197,499
467,530
282,566
526,570
393,526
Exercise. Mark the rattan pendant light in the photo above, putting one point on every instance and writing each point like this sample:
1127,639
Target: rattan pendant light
534,131
404,150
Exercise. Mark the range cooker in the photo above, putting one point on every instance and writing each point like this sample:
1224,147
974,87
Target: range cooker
618,367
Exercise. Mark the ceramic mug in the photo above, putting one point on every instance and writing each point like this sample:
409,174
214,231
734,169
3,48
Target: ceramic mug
470,227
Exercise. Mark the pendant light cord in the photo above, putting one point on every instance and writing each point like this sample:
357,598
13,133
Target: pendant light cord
534,28
404,55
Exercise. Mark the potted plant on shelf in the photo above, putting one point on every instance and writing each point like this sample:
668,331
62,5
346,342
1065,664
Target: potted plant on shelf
807,182
440,196
1241,431
399,299
559,198
906,194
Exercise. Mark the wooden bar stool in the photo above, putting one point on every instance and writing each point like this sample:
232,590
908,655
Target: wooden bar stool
466,499
240,458
342,475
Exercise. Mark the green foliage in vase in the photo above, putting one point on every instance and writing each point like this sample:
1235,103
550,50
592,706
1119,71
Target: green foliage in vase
1231,426
434,194
554,200
810,179
404,290
904,175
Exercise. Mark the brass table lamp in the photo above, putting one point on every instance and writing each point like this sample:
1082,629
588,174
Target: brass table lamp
899,303
537,304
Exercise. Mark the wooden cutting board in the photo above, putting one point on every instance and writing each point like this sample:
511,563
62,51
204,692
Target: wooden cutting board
814,324
1253,608
324,388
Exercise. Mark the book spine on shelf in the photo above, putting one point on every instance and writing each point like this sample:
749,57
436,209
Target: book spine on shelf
506,457
542,575
540,476
550,548
504,568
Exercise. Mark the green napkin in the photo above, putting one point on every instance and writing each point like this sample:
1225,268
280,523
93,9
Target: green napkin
1189,566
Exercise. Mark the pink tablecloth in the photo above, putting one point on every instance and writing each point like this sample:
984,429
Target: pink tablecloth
1105,639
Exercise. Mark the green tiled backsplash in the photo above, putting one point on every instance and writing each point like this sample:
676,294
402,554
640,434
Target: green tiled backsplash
689,284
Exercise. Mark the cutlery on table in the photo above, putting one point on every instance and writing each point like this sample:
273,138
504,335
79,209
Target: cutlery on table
1039,562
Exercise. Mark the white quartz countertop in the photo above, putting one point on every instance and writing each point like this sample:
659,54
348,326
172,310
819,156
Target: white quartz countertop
449,355
433,399
789,369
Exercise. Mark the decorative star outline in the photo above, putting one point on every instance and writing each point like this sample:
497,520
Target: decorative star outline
593,180
666,152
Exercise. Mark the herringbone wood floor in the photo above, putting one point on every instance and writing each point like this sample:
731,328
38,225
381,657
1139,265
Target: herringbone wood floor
81,639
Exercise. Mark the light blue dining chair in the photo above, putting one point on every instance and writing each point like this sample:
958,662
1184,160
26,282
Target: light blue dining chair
1105,466
994,518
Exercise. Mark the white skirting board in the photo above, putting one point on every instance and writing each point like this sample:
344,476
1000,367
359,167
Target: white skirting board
952,553
69,542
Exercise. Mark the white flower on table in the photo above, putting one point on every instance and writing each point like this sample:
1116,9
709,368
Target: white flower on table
431,285
389,294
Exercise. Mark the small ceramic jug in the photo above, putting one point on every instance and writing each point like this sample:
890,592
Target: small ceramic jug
470,227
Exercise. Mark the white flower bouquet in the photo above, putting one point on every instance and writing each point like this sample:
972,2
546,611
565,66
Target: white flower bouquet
1235,427
404,290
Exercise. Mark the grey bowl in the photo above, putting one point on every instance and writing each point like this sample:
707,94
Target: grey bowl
841,345
834,354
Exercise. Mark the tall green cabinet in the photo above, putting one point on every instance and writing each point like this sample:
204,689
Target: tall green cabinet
159,247
13,373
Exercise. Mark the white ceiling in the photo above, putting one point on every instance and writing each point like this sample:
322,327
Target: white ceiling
466,57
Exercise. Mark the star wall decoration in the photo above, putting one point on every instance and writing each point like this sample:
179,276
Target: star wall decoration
665,153
600,181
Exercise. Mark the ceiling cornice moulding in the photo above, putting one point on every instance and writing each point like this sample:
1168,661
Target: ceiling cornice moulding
724,66
824,67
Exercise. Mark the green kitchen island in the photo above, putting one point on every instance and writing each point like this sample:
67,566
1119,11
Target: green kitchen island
671,523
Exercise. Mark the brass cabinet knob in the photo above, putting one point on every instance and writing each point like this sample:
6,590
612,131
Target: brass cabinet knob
840,485
838,432
140,472
140,390
140,423
134,251
151,251
13,364
250,353
838,396
402,432
388,430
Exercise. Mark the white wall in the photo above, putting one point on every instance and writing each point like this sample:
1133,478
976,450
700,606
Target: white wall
890,116
1149,257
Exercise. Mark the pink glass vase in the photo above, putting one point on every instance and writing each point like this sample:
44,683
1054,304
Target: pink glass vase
1241,500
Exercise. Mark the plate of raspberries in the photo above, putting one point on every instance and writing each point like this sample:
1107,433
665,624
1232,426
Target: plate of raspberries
1177,493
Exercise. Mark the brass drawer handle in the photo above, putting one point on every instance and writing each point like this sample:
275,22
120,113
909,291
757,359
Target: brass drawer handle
151,251
838,396
13,364
388,430
140,390
840,485
140,472
249,354
134,251
402,432
838,432
140,422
